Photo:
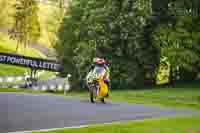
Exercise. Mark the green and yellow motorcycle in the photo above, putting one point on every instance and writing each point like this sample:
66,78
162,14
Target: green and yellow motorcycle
98,89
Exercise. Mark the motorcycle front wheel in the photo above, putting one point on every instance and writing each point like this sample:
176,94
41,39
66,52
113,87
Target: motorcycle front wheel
91,97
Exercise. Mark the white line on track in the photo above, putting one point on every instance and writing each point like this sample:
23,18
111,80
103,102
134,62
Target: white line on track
83,126
53,129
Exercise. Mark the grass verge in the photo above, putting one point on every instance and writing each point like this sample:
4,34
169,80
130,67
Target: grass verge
9,70
8,45
163,125
20,90
168,97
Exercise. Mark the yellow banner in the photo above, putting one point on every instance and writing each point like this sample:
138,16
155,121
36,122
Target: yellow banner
163,73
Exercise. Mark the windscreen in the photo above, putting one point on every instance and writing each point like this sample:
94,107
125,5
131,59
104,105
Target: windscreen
100,71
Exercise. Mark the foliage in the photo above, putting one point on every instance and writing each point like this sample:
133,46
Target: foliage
178,39
54,21
110,29
26,26
5,9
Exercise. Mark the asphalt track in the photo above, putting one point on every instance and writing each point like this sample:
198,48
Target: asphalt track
25,112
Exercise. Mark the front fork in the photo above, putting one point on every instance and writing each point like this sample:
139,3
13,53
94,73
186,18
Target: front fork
95,88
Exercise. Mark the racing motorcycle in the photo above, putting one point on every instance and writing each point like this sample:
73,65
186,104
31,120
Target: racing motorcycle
98,89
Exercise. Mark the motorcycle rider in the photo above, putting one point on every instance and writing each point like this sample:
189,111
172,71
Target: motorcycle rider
100,62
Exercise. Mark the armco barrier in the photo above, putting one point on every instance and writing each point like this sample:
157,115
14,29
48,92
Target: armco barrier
55,84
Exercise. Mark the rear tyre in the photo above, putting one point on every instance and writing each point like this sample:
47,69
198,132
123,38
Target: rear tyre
102,100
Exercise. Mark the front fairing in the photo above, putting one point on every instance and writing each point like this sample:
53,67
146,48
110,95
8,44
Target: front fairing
97,81
99,72
96,75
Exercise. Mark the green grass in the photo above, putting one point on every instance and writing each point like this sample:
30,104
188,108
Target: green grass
172,97
178,97
182,96
46,75
9,70
21,90
9,46
15,71
164,125
30,91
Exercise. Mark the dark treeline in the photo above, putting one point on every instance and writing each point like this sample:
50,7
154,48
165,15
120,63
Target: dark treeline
133,35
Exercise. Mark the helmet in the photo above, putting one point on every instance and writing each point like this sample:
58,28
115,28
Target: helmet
99,61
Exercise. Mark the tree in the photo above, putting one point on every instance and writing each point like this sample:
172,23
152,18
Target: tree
26,25
55,21
177,39
4,6
130,37
160,8
113,30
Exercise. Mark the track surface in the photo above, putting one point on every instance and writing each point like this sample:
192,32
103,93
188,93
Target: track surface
24,112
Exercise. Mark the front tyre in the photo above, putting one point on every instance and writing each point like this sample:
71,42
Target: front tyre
91,97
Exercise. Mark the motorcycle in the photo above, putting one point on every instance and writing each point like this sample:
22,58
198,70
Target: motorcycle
98,89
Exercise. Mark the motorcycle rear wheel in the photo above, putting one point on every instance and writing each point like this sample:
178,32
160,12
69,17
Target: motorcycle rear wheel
102,100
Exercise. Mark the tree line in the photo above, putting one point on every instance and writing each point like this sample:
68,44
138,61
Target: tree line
133,36
25,25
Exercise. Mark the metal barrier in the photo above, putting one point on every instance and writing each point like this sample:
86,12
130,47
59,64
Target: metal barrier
55,84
